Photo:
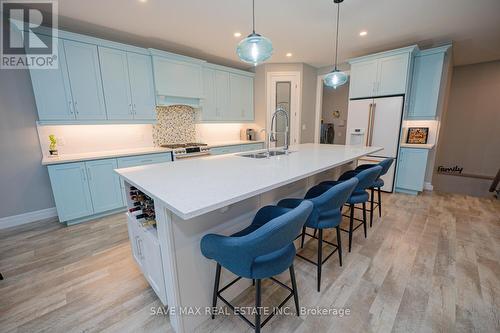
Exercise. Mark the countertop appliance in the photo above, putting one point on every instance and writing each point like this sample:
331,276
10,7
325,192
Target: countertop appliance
376,122
188,150
250,134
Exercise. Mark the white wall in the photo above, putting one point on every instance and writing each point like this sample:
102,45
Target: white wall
24,182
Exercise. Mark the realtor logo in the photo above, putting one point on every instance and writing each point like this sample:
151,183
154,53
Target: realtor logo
29,34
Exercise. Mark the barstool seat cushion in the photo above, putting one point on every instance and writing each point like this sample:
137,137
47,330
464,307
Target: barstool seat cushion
379,182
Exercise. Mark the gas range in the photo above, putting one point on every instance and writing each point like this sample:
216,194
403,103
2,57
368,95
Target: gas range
186,150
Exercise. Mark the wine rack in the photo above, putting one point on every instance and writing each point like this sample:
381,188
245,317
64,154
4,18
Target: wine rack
141,207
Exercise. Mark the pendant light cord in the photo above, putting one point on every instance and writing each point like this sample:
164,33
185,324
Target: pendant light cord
337,35
253,16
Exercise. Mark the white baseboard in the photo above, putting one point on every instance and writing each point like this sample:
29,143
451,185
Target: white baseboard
15,220
428,187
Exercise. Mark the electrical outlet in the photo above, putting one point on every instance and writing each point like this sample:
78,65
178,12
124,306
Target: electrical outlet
60,141
304,127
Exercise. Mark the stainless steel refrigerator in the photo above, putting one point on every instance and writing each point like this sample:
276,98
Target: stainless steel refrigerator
376,122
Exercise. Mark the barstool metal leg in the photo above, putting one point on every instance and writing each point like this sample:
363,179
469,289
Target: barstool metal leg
351,225
372,195
294,287
216,289
303,237
257,306
339,245
379,203
320,255
364,218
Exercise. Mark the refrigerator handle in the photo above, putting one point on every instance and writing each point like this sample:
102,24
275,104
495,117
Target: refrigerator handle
368,132
372,121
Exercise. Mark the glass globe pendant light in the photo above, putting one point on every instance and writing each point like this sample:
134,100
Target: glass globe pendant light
254,49
336,78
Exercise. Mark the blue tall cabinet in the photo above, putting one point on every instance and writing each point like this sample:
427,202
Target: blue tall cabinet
425,102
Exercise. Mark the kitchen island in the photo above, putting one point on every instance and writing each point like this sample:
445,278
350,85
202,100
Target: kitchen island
218,194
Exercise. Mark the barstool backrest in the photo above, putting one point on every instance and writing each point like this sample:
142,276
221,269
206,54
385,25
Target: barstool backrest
326,202
385,164
367,177
238,253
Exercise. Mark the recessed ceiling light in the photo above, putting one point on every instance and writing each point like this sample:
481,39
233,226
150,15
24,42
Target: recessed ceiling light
289,54
363,33
237,34
143,1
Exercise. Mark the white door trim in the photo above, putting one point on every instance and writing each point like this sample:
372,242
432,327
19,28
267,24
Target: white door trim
295,99
319,105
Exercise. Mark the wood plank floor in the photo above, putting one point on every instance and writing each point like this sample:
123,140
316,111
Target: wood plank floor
431,264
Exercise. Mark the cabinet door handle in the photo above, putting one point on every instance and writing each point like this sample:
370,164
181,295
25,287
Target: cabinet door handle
138,246
134,108
367,140
146,161
372,122
83,175
71,107
130,108
89,174
76,106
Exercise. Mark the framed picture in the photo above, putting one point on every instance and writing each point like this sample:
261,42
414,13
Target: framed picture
417,135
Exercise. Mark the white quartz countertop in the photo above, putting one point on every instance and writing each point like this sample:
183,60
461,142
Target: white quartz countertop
66,158
419,145
193,187
79,157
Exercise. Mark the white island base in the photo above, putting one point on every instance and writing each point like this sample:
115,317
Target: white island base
221,197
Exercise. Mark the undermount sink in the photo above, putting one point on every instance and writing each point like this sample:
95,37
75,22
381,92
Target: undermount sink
264,154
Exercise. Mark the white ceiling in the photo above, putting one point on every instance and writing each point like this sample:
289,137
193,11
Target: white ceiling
204,28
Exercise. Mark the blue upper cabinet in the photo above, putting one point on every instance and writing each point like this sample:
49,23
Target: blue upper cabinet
241,101
71,190
104,185
209,106
362,79
427,80
52,91
177,78
393,72
85,80
115,81
381,74
222,95
142,87
128,84
228,95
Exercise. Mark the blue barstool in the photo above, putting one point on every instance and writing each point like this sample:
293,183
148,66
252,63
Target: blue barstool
358,196
377,184
328,202
262,250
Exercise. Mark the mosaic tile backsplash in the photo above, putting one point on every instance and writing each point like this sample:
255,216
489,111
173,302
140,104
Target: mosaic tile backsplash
176,124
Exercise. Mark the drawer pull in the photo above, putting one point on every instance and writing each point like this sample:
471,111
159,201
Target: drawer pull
147,161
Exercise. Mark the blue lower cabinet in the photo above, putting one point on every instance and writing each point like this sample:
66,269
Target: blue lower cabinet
87,190
104,185
71,191
225,150
236,148
412,163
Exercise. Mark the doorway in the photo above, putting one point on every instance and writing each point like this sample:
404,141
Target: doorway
331,113
283,92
